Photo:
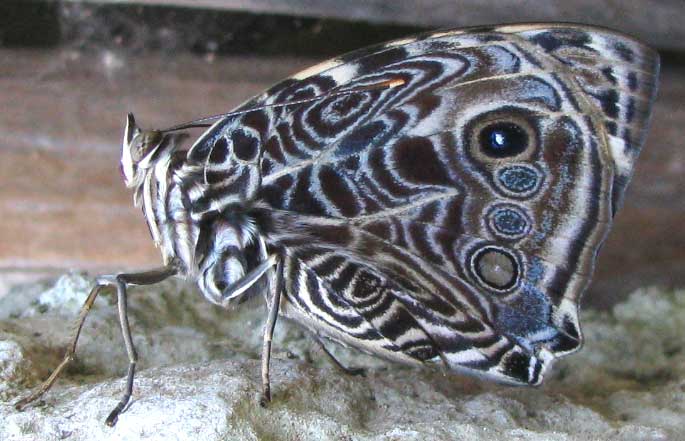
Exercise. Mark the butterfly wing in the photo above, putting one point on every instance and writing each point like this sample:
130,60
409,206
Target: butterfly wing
457,216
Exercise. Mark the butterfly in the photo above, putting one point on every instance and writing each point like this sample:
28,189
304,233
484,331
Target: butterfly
438,199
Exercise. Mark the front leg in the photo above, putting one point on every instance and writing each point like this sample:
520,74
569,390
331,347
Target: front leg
120,282
223,282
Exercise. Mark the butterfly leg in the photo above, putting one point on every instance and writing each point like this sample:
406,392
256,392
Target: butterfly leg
68,356
276,287
119,281
354,371
215,275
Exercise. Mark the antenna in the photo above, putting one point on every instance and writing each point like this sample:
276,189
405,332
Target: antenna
201,122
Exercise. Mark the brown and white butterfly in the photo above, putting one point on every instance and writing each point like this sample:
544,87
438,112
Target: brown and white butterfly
436,199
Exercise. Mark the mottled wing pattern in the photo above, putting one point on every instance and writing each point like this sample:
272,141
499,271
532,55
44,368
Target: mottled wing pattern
400,233
616,75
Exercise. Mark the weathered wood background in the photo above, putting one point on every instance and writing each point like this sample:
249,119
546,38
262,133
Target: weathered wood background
658,22
62,203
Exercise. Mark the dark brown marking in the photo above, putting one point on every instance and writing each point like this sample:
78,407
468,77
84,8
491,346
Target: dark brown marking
219,151
415,160
419,237
380,60
337,190
380,229
245,146
336,235
632,81
555,39
624,52
608,73
273,148
380,172
302,198
360,139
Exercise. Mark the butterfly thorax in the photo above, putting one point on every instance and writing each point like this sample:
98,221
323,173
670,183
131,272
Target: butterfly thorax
216,247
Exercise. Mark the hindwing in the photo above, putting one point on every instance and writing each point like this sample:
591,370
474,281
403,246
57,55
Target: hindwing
456,216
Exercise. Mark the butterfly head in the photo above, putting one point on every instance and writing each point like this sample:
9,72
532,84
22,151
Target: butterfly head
140,151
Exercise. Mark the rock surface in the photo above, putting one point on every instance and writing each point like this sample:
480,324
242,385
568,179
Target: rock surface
199,377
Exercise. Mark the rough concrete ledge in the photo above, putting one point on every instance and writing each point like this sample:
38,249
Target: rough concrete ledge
199,378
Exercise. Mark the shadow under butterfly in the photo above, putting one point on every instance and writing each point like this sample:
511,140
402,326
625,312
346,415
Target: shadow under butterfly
435,199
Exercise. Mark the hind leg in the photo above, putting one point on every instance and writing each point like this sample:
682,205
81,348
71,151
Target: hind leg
354,371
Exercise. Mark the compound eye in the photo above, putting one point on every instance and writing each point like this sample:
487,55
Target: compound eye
145,142
503,140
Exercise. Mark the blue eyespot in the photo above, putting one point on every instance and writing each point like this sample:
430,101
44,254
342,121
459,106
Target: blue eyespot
520,179
503,139
508,221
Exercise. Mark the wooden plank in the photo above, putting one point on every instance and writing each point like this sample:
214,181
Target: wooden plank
64,206
656,22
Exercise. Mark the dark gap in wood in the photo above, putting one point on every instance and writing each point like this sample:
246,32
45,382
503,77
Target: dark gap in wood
672,58
29,23
87,26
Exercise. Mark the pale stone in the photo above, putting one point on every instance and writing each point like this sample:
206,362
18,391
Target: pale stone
199,378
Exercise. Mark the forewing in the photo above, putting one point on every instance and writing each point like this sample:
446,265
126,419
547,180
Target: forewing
402,234
617,75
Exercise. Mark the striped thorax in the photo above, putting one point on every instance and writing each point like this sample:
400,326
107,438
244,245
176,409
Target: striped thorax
217,248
